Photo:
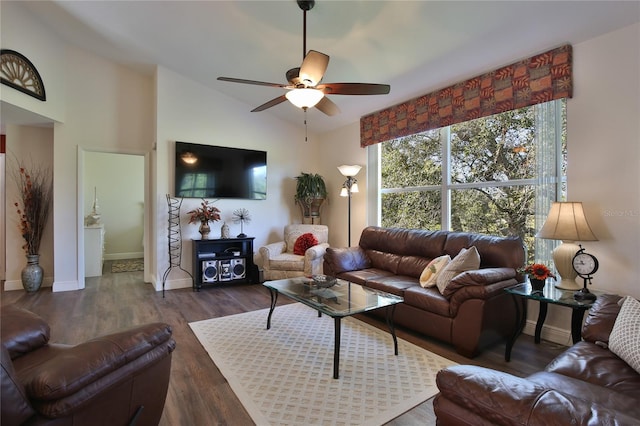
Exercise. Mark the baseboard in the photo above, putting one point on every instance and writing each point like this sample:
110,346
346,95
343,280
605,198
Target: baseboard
10,285
550,333
129,255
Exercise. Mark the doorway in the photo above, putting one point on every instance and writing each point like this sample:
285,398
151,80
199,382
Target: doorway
113,202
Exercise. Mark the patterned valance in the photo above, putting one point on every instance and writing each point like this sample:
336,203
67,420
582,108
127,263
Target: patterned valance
535,80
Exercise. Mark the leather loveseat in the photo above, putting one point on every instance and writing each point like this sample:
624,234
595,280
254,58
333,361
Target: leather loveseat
585,385
117,379
473,313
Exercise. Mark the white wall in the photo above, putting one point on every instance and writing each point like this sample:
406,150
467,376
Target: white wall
190,112
118,181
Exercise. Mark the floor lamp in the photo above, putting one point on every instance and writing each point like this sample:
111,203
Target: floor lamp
348,187
566,222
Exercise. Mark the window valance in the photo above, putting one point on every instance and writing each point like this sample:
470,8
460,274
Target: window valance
535,80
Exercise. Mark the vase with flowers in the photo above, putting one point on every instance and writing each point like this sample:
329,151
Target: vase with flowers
538,274
34,190
204,214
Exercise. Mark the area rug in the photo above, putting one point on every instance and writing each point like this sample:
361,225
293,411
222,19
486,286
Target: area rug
284,376
127,265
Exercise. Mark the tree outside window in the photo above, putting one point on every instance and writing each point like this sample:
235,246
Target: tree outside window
495,175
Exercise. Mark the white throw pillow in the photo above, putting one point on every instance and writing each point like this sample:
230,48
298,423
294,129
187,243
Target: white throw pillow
624,340
466,260
433,269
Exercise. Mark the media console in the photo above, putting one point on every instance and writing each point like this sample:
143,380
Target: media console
222,261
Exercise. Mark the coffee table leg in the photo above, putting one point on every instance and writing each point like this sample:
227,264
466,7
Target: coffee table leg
336,348
392,328
274,299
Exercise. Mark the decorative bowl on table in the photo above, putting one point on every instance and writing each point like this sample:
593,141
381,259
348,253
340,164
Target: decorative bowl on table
323,281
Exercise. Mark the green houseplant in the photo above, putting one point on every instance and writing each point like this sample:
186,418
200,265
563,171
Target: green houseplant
311,191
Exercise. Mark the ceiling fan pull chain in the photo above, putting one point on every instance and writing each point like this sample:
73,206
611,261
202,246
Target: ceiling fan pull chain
305,124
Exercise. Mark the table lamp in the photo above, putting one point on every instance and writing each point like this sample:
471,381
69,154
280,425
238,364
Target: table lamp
566,221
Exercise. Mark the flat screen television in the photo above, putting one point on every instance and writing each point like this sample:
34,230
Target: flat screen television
206,171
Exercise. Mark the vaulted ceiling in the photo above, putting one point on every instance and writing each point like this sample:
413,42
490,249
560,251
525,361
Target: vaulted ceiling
415,46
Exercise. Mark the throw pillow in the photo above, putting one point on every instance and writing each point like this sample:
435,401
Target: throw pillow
304,242
624,340
433,269
466,260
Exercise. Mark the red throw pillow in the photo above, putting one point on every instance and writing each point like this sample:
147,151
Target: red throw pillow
303,242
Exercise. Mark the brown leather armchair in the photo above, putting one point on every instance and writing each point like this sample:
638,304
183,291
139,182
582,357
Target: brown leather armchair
117,379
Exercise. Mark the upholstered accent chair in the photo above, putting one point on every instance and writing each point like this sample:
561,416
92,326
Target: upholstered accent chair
279,260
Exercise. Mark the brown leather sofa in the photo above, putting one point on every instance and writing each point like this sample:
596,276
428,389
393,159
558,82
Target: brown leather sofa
585,385
476,313
117,379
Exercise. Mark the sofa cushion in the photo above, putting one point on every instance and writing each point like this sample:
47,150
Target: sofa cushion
22,331
600,319
287,262
588,391
625,336
304,242
428,299
394,284
433,269
465,260
594,364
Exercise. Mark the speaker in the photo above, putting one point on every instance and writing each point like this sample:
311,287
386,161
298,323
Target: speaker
224,270
209,271
238,270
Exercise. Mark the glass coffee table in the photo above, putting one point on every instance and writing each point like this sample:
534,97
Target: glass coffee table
337,300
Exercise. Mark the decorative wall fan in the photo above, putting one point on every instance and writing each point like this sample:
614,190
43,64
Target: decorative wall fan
304,88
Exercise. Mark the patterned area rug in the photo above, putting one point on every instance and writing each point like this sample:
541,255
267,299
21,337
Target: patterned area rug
284,376
127,265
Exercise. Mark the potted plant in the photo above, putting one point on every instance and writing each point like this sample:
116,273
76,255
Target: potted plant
311,192
538,274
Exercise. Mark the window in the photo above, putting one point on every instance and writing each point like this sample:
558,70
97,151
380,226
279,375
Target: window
495,175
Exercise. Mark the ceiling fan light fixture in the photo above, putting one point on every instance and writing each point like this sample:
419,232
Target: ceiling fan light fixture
305,97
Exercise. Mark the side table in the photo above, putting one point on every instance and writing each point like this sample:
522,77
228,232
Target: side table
549,294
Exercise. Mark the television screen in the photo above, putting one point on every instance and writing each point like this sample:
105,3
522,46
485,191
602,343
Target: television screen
205,171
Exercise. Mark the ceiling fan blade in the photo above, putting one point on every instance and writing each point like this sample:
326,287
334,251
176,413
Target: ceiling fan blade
272,102
259,83
327,106
355,89
313,68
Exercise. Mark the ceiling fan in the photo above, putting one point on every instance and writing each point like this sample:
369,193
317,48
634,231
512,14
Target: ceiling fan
304,88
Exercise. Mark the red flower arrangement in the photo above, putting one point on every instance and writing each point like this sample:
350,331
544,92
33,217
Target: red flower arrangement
538,271
35,190
204,213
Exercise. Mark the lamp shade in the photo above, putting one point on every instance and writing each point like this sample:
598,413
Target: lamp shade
567,222
305,97
349,170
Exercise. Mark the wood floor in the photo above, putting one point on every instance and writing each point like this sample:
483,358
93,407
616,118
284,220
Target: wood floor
198,393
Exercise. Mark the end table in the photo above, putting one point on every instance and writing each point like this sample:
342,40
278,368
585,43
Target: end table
549,294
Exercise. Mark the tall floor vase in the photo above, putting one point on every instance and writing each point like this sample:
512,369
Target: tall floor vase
32,274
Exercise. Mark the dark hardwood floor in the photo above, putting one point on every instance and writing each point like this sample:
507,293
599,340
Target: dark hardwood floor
198,393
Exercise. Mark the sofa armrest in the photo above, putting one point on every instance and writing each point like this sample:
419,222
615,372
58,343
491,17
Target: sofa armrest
78,366
600,319
313,258
478,277
500,398
338,260
272,250
22,331
497,398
